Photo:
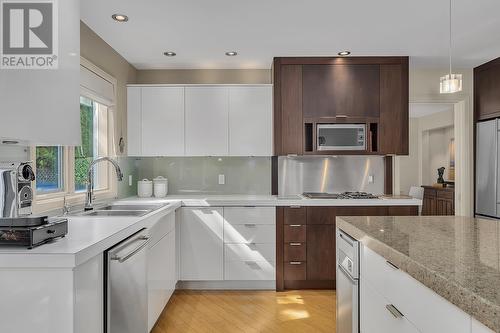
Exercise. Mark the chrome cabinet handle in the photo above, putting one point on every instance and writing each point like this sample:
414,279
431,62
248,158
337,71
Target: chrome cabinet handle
250,225
295,262
391,264
295,244
295,225
341,116
394,311
253,265
295,207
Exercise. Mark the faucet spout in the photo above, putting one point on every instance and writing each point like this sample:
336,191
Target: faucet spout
90,179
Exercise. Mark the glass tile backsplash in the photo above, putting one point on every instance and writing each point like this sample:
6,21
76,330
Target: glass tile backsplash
200,175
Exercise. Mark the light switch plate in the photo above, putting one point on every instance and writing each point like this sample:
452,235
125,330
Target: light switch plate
129,180
222,179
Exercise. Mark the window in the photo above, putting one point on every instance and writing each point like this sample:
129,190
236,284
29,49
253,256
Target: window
49,162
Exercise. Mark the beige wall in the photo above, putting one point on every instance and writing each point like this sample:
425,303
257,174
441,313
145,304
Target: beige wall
204,76
97,51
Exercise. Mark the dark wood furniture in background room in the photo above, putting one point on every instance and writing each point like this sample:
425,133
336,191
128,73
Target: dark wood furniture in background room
305,242
361,90
438,201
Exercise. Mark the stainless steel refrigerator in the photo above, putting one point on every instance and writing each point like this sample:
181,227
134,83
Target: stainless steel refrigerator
488,169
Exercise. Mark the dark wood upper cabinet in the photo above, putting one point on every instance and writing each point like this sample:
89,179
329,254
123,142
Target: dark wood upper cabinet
487,90
361,90
331,91
394,109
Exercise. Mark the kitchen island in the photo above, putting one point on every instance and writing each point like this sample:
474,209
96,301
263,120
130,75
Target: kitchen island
441,274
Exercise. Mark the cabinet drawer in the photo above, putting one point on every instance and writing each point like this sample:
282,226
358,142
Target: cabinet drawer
255,252
445,195
294,215
249,233
295,270
250,215
295,233
249,270
422,306
430,193
295,252
161,226
321,215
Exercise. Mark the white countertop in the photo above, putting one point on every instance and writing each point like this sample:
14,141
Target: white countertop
89,236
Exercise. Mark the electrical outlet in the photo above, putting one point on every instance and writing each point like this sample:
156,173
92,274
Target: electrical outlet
222,179
371,179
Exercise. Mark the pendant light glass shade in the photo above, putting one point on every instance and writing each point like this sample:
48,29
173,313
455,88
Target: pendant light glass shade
450,83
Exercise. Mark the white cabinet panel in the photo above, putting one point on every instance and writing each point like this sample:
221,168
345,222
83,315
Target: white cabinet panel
252,215
249,233
249,270
250,121
478,327
134,121
206,121
162,121
202,249
250,252
376,318
427,310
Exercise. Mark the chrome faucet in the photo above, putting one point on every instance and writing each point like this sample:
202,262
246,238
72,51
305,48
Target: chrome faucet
90,179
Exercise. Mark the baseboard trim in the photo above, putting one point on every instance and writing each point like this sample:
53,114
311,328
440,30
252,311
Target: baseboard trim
226,285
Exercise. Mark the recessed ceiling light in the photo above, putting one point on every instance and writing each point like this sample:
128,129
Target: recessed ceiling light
119,17
231,53
169,54
344,53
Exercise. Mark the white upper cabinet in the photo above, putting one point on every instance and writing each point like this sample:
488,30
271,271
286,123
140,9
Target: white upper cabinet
207,121
163,121
250,121
218,120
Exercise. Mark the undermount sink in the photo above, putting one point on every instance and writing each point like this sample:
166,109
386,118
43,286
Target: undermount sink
117,213
118,209
130,207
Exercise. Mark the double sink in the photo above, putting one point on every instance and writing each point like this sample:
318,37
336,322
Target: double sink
120,209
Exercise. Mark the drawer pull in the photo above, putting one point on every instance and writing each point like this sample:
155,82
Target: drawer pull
250,225
295,244
253,265
295,262
394,311
296,225
391,264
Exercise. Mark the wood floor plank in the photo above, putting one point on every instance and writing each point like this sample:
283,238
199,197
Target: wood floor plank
248,312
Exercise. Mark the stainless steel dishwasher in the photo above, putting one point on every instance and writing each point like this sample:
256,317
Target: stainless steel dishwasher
347,283
126,287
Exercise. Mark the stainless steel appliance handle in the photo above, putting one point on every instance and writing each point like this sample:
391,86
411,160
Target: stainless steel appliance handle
353,281
394,311
129,255
346,238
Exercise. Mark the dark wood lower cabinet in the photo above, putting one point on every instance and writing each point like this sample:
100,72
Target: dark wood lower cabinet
438,201
305,240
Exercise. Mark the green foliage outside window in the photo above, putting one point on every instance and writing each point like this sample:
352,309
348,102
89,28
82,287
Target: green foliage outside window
85,153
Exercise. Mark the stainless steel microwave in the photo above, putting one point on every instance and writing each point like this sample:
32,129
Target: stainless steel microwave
341,137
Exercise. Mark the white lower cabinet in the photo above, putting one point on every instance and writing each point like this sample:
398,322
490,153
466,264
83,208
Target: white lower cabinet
249,270
477,327
162,270
422,307
202,244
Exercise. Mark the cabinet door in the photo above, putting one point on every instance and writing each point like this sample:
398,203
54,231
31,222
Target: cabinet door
478,327
394,109
250,121
134,121
162,121
320,252
486,91
207,121
202,245
332,91
376,318
289,132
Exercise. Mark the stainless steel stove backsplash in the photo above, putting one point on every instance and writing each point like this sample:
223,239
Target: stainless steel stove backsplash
333,174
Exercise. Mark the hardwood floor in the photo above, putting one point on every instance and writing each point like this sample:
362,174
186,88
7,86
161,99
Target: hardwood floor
248,311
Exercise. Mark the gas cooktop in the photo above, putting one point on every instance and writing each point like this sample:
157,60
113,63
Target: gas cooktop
345,195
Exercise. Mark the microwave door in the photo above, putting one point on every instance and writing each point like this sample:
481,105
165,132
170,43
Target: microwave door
341,138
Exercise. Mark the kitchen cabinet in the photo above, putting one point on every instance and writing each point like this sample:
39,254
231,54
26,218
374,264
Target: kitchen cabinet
207,111
134,121
162,121
162,270
487,90
438,201
478,327
202,244
341,91
305,237
250,121
373,91
425,309
41,106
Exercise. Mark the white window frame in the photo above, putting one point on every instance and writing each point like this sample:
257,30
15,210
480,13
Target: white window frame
45,202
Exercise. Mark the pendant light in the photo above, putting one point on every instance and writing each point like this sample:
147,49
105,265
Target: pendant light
450,83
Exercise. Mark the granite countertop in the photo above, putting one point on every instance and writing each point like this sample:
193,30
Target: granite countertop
457,257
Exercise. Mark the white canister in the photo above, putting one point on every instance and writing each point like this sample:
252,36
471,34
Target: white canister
144,188
160,185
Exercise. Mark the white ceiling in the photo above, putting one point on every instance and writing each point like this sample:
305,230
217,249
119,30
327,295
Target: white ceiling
418,110
200,31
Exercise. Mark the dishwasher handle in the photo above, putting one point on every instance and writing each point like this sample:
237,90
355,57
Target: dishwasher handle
129,255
